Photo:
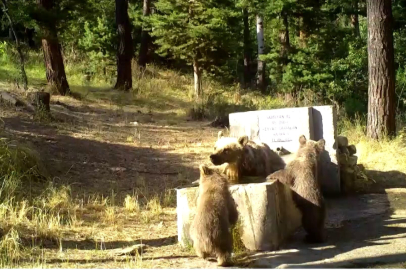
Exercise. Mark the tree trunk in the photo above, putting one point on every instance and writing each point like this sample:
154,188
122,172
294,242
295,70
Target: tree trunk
247,58
261,47
354,19
284,53
284,38
381,88
302,32
145,38
125,47
55,69
18,45
197,72
40,100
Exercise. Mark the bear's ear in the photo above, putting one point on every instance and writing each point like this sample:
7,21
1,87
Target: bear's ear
204,170
321,144
223,167
220,134
302,140
243,140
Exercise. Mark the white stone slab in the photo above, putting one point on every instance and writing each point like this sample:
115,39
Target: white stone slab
283,127
244,123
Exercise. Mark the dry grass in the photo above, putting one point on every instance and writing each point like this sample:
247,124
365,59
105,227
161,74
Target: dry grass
384,161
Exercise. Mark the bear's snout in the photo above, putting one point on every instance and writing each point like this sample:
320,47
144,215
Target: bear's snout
215,159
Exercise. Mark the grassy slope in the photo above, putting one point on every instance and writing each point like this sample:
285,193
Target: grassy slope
101,197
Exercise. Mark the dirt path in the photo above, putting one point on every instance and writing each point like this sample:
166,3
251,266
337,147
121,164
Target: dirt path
98,151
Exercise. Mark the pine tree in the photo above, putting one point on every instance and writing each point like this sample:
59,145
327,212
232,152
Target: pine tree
192,31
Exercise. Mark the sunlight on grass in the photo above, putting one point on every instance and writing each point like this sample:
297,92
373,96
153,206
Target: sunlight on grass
131,204
381,155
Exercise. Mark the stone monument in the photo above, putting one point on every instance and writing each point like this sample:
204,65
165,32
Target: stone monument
281,128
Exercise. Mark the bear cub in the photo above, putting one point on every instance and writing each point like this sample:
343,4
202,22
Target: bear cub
216,214
245,157
301,175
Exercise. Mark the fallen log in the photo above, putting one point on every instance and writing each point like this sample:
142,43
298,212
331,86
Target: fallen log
11,99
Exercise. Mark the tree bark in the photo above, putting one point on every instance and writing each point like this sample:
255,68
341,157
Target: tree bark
55,69
284,53
355,20
197,72
381,87
40,100
247,58
302,32
261,48
284,39
125,47
145,38
18,45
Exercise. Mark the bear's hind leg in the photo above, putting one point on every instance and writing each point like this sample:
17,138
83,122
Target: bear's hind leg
200,253
313,228
223,259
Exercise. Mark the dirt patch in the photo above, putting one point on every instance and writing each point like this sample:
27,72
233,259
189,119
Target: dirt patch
103,150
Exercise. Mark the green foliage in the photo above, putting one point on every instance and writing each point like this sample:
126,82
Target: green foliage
325,62
98,43
194,30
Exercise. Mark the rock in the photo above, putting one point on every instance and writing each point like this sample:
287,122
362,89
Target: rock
352,160
348,179
352,149
349,170
341,141
344,150
346,160
11,99
342,159
267,214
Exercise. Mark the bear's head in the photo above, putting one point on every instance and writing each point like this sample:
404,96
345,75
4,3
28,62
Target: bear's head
228,150
210,173
310,148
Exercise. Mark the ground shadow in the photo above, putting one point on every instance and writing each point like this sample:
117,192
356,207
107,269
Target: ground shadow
366,223
145,257
385,180
91,166
91,244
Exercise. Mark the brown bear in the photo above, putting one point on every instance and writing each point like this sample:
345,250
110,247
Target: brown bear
245,157
301,175
216,213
